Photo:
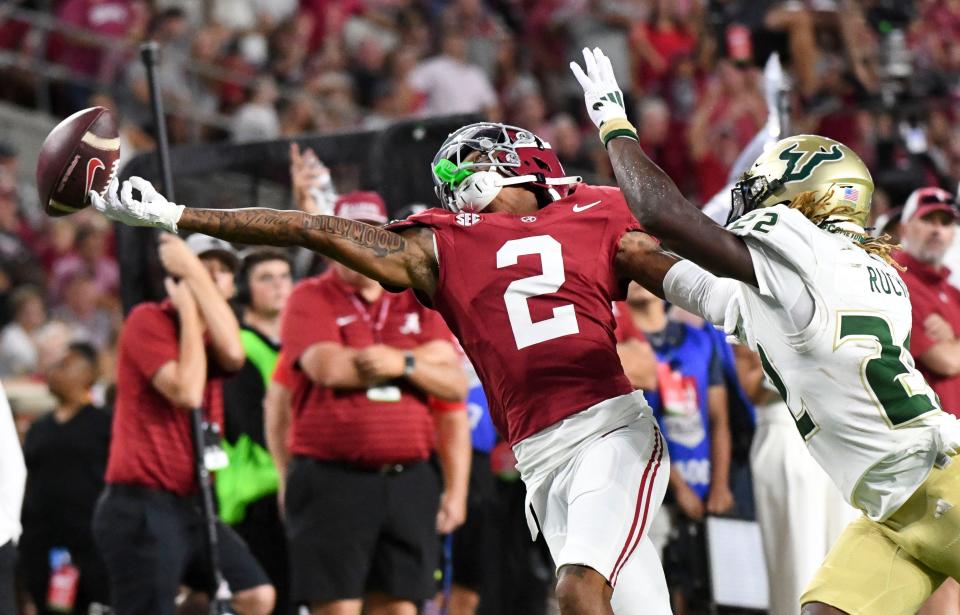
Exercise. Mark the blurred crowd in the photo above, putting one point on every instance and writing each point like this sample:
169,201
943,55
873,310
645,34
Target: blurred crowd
881,76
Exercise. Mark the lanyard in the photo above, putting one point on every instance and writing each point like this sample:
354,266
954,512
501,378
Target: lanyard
377,327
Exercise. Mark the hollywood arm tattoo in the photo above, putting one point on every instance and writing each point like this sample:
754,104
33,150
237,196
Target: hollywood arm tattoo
376,252
663,211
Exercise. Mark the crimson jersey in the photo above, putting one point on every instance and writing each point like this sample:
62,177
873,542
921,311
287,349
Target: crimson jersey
529,298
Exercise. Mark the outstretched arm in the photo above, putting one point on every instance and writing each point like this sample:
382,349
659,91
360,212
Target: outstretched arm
404,260
653,197
658,205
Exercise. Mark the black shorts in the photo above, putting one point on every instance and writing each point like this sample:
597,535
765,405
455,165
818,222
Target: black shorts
473,551
153,541
352,531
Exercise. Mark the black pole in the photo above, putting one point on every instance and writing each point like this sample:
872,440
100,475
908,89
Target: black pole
197,429
148,54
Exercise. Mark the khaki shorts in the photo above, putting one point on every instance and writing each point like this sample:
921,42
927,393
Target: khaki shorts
892,567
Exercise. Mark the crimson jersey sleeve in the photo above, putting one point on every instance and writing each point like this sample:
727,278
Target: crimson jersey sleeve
620,220
150,333
307,320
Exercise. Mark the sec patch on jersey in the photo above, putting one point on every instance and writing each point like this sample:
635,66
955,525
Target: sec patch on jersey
79,155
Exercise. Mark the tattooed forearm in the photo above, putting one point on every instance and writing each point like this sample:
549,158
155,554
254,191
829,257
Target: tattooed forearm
398,260
381,241
290,228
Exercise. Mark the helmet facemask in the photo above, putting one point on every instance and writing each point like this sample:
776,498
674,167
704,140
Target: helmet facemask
480,159
749,193
820,176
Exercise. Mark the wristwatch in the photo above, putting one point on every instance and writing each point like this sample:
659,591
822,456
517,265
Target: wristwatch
409,362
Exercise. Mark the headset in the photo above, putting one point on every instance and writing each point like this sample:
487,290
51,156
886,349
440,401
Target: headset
250,259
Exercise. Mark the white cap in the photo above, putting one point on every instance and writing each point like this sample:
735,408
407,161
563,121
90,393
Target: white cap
203,245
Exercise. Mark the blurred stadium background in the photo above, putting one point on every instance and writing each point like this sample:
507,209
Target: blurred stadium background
373,86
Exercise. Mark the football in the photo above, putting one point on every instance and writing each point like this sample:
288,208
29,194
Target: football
79,155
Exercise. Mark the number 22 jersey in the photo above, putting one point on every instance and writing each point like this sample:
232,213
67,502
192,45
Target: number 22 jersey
530,299
867,415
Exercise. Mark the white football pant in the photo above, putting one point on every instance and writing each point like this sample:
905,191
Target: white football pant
598,512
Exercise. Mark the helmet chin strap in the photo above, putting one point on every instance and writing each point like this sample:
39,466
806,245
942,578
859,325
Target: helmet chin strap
481,188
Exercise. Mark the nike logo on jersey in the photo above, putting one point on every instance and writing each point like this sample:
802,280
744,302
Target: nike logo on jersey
343,321
578,208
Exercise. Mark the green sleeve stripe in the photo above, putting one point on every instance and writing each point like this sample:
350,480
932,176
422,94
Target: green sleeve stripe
620,132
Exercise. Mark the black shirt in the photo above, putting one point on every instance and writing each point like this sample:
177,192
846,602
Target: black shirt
243,395
66,463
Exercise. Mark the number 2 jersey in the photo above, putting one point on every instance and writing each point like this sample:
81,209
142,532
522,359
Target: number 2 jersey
529,297
868,416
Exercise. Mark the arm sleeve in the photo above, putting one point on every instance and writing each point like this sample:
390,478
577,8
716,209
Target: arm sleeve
155,338
307,320
698,291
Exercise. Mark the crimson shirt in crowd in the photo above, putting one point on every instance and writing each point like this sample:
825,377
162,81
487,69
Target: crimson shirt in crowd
345,425
930,293
152,444
106,18
529,297
626,329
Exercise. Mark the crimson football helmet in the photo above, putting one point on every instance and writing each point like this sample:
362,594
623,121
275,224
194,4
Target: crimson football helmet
507,156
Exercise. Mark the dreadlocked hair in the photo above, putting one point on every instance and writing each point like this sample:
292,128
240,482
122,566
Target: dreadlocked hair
812,208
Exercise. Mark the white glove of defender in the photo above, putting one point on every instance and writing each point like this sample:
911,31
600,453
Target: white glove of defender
151,210
601,92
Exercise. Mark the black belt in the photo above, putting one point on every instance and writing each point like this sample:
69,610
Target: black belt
157,495
386,469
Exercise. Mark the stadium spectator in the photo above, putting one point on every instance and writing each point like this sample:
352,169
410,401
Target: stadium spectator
690,404
104,19
91,254
66,456
18,348
362,504
247,487
451,85
148,526
471,550
257,119
80,310
636,354
13,476
927,229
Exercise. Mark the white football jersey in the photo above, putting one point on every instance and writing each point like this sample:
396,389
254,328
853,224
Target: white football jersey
868,416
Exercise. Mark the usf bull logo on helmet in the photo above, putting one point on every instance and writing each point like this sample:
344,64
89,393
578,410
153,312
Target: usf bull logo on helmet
840,182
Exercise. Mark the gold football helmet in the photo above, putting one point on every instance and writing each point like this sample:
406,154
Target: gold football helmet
841,184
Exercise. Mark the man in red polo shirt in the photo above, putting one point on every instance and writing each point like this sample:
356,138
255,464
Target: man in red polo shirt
927,230
148,524
361,500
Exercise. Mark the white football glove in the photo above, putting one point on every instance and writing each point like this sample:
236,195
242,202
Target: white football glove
602,95
151,210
